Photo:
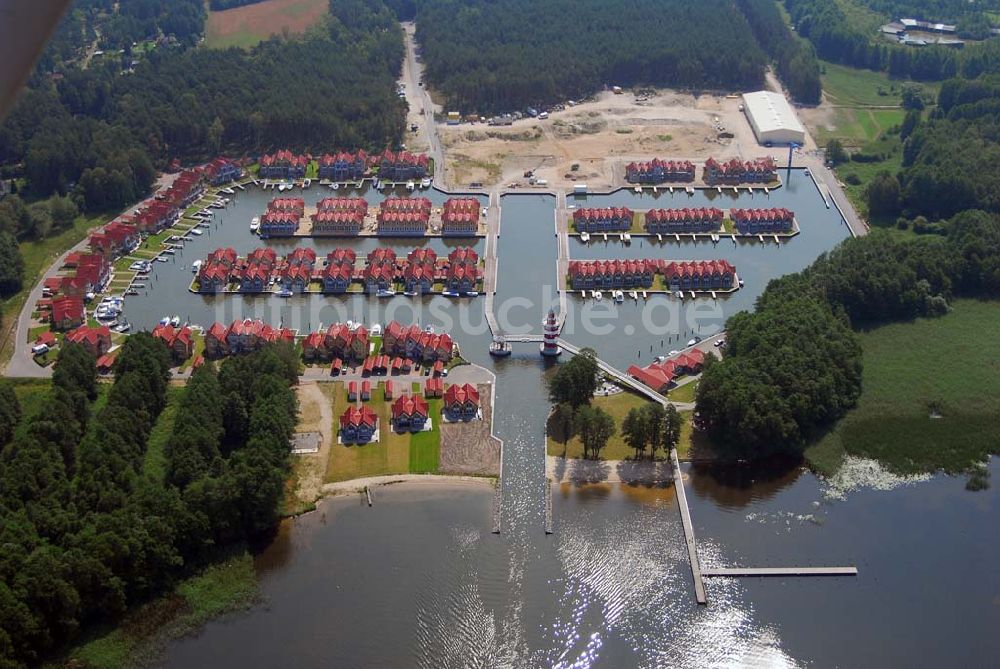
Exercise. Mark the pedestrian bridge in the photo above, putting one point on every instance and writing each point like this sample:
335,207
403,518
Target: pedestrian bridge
621,377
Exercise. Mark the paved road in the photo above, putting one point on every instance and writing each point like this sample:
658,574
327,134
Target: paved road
417,95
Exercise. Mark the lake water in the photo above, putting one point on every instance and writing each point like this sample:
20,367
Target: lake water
419,580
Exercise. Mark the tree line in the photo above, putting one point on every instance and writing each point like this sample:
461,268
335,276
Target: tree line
87,532
794,57
493,56
793,366
101,136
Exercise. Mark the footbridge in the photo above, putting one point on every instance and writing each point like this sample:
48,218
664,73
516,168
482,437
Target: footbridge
619,376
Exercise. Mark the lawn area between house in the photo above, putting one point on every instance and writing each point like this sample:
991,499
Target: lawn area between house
684,393
249,25
393,453
855,87
228,585
930,399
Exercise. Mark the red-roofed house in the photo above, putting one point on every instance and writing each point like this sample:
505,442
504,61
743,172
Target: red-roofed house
461,402
409,413
358,425
180,341
67,312
96,341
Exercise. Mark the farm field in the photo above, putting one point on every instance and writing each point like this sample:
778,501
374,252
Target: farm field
246,26
931,395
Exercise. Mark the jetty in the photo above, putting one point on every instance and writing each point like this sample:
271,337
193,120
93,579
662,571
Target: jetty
779,571
689,540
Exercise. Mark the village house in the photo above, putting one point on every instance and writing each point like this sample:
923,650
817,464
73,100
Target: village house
295,273
607,274
96,341
346,343
314,348
736,171
339,270
185,189
93,271
221,171
686,220
412,343
762,221
460,217
409,413
283,165
339,216
180,341
358,425
343,166
401,166
659,171
404,217
282,217
155,217
380,270
388,390
463,272
606,219
660,376
243,336
115,239
420,270
214,273
352,391
254,273
461,402
699,275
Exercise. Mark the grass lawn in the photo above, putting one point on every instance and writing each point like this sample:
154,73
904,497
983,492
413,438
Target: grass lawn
942,367
247,26
684,393
855,87
393,454
228,585
154,464
31,395
618,406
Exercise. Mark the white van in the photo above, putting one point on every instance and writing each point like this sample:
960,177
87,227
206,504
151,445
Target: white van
39,349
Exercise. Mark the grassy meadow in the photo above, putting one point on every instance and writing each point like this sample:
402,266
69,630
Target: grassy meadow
931,395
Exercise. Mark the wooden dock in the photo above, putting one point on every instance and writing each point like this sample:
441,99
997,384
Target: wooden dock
780,571
497,505
692,546
548,506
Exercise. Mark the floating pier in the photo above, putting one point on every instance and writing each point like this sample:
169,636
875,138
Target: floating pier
497,506
780,571
692,546
548,506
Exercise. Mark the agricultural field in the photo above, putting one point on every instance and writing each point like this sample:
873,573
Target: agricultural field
931,397
246,26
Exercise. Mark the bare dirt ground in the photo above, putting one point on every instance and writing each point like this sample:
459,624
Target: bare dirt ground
469,448
315,415
602,136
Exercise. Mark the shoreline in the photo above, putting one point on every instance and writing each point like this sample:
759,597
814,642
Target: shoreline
353,486
579,471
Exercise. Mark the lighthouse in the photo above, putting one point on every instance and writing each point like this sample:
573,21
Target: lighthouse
550,335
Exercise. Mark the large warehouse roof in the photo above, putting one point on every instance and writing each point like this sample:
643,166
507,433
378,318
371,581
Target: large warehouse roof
772,117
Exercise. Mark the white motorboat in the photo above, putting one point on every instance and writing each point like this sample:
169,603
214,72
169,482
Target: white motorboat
385,292
285,292
255,224
175,320
584,236
425,182
598,295
195,266
618,296
450,293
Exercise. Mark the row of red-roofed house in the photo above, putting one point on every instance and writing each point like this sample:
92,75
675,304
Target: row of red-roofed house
658,171
460,217
736,171
631,274
344,342
384,365
661,375
339,216
604,219
673,221
763,221
63,297
243,336
404,216
344,165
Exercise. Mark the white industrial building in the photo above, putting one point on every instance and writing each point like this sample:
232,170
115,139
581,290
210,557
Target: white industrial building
772,118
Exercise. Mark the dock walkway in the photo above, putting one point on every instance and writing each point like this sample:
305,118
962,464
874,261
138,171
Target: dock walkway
780,571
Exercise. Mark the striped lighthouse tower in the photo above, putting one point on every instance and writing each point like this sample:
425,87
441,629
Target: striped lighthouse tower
550,335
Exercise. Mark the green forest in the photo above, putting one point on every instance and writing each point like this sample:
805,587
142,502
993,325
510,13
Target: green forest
87,530
772,395
492,56
99,135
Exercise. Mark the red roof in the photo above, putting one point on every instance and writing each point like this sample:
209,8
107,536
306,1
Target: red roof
67,307
46,338
88,335
409,405
461,394
358,415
